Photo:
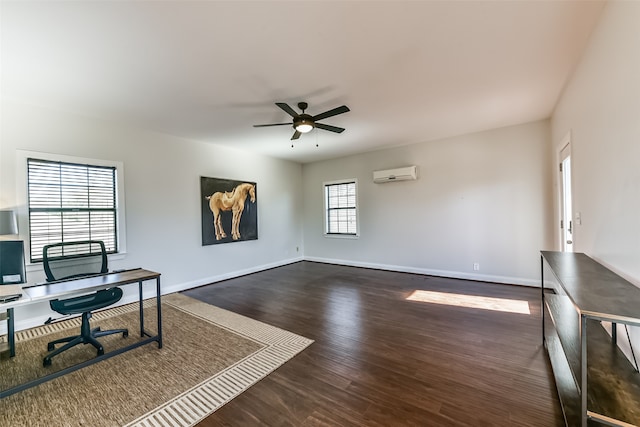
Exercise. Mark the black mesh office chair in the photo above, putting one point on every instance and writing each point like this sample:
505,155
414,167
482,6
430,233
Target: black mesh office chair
70,260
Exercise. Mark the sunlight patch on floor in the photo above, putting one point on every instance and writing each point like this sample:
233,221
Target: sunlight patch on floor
471,301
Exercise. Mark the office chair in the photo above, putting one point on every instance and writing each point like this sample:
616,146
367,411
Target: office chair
69,260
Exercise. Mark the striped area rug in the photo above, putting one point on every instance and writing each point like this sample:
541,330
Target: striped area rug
209,356
192,406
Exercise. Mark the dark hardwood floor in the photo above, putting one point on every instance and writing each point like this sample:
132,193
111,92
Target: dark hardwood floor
380,360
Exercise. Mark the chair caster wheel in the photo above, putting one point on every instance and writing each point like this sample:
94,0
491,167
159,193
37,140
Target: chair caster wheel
46,362
125,334
50,347
100,351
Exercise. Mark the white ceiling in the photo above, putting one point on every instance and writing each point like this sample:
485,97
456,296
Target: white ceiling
411,71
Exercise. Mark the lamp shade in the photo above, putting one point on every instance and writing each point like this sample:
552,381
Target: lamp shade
8,223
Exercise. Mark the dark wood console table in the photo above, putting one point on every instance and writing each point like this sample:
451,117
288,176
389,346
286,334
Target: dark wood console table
596,383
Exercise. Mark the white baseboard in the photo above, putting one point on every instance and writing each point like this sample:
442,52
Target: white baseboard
430,272
231,275
131,295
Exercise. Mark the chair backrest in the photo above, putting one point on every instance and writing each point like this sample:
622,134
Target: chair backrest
68,260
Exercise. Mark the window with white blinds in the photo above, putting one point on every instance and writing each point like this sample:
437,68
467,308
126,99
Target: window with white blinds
70,202
341,208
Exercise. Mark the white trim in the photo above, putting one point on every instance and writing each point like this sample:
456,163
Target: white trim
565,144
566,140
177,287
430,272
172,288
23,207
341,236
324,212
231,275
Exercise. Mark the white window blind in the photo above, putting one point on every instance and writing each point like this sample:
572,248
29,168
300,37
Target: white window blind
70,202
341,214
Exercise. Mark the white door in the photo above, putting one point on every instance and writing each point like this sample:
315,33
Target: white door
566,220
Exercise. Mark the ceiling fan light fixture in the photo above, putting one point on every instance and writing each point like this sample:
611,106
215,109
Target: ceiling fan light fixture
305,123
304,126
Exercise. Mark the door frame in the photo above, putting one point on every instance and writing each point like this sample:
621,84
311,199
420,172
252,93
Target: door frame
564,151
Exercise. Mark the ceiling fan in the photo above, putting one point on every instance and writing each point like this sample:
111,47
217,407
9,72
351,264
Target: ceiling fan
303,123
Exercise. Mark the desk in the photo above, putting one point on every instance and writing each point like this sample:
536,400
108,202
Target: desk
8,347
9,306
68,288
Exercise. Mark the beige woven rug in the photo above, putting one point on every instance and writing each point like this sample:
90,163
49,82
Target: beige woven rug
209,356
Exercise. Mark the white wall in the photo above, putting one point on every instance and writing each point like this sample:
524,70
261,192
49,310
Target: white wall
162,189
601,108
484,197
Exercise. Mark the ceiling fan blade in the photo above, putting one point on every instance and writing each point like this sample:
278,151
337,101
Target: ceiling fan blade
330,113
330,128
296,135
272,124
290,111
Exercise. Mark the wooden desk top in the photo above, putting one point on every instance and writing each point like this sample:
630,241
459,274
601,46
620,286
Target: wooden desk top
65,288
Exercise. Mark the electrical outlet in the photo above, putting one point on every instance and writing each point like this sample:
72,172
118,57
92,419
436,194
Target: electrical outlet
476,266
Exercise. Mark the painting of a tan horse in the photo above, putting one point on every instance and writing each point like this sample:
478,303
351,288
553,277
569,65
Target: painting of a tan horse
235,197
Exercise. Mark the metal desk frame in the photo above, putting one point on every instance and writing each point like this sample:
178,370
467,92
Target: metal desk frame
68,288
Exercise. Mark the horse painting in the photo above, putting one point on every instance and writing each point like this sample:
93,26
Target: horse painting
234,201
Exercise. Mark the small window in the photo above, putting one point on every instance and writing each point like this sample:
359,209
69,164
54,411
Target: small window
70,202
341,215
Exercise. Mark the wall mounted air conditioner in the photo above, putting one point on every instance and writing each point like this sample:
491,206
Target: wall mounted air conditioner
407,173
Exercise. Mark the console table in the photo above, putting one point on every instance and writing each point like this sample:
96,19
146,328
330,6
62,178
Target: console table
596,382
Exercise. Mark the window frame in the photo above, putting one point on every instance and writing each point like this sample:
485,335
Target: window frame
326,210
22,197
